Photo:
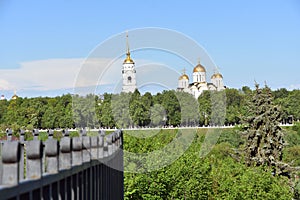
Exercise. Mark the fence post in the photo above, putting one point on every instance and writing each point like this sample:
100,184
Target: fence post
65,132
105,149
51,153
119,137
65,153
21,161
86,152
101,144
114,139
9,134
77,151
50,133
10,162
22,134
94,147
35,133
109,139
34,154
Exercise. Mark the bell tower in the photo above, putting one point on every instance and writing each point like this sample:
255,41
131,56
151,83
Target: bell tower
128,71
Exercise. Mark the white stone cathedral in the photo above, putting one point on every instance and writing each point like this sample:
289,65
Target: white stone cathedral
128,71
199,83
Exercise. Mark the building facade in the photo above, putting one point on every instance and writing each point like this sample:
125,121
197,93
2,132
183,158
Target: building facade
128,72
200,83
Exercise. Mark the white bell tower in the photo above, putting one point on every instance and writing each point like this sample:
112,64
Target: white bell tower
128,71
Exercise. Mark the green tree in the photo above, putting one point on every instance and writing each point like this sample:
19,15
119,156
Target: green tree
84,110
280,93
3,110
157,115
234,104
246,90
105,114
189,109
120,104
218,101
264,136
204,102
139,109
172,107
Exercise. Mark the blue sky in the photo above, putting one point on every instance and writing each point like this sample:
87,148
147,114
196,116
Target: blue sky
248,40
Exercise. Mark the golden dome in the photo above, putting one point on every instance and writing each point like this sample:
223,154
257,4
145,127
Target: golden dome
128,59
217,75
14,97
184,76
199,68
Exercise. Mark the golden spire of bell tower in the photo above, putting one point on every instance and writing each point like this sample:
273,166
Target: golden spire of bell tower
127,45
128,59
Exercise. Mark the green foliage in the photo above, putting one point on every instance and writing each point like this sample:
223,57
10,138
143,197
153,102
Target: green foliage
264,136
147,140
218,102
2,135
57,135
296,127
292,155
289,102
43,136
232,180
292,136
28,136
92,133
134,109
231,136
30,127
83,111
204,101
2,128
172,106
16,129
74,134
189,109
39,112
217,176
157,115
104,111
139,109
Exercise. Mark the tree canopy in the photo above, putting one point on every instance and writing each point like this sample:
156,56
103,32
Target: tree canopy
168,108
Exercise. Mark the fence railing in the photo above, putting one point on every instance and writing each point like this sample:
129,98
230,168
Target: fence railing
73,168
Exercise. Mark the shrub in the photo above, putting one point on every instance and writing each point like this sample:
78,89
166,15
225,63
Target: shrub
292,155
296,127
57,135
43,136
28,136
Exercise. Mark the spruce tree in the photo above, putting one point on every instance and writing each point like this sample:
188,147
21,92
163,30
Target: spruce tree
264,136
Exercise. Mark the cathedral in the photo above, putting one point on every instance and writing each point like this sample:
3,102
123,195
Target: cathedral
195,88
199,83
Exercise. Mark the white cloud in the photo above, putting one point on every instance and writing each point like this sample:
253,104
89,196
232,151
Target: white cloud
52,74
5,85
42,74
84,74
294,86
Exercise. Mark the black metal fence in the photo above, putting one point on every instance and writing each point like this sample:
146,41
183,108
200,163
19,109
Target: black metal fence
74,168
